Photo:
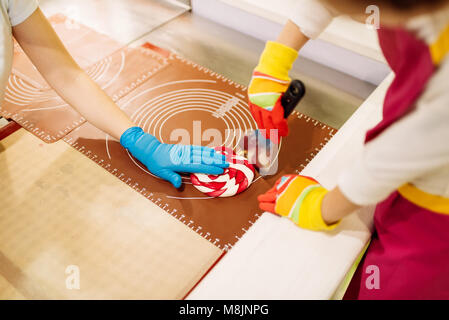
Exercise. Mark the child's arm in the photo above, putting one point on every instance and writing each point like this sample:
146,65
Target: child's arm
39,41
412,154
44,48
270,78
292,36
336,206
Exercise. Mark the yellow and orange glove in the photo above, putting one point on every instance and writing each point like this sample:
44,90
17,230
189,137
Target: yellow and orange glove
270,80
298,198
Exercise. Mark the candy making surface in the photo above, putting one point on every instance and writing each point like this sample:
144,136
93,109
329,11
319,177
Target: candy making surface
178,101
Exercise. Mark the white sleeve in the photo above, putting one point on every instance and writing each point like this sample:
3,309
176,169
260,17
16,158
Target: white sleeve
20,10
411,148
312,17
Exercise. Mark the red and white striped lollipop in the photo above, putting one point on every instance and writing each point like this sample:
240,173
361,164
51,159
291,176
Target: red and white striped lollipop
234,180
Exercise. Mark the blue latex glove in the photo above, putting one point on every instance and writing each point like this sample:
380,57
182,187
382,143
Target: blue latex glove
165,160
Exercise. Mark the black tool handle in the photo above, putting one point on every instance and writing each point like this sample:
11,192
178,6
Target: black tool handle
292,96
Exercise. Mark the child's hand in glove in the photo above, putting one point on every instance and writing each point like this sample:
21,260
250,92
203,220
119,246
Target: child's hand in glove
298,198
270,80
165,160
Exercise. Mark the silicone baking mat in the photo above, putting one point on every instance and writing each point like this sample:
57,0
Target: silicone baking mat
179,101
186,103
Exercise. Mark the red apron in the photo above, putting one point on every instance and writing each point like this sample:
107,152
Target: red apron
408,257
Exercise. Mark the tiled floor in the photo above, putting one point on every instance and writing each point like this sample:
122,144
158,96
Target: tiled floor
123,20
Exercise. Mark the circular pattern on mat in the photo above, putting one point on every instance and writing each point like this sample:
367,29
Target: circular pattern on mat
192,107
235,179
164,115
